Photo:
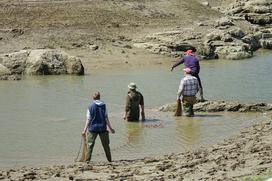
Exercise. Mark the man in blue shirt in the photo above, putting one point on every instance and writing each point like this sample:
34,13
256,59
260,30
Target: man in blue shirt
190,61
96,124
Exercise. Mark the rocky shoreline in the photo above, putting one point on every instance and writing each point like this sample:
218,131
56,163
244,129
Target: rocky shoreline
245,28
246,155
218,106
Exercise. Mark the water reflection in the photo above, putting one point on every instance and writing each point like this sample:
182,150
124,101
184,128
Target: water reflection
134,132
188,130
198,130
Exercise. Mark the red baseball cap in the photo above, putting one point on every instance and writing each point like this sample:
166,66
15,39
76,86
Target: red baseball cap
189,51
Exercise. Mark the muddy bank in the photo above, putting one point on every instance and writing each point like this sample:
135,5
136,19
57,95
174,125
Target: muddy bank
107,34
218,106
247,154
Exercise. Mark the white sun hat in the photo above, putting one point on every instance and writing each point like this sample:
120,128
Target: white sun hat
132,85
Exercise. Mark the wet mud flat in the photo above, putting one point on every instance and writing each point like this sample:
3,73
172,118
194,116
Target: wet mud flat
247,154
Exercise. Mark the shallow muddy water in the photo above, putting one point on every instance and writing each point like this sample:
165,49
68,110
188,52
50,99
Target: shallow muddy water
42,117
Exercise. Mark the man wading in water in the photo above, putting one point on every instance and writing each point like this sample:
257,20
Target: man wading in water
96,124
134,102
190,61
188,88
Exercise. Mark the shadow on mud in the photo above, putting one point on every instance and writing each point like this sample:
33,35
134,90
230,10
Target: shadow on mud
207,115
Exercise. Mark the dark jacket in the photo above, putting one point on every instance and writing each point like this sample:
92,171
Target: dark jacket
133,101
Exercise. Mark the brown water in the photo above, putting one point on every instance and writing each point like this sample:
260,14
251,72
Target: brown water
41,118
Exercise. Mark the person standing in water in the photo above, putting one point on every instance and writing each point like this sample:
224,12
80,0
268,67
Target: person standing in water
187,91
134,102
191,61
96,124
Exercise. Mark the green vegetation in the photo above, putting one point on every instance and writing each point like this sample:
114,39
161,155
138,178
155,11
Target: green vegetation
258,178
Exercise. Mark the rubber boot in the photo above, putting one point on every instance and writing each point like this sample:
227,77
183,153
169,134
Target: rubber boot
187,109
191,110
201,95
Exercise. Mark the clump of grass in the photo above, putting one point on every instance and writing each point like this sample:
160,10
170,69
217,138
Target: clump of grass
259,178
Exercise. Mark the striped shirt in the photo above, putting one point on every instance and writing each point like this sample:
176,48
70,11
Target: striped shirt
188,86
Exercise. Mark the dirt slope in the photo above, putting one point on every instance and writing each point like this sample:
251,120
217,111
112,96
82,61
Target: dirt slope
75,25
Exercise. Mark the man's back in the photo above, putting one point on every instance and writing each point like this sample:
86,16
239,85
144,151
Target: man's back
98,115
190,61
189,86
134,100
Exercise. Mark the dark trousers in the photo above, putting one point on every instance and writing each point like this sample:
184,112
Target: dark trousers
104,137
198,78
200,85
188,105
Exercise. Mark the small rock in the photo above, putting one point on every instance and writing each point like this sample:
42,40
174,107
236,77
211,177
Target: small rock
266,35
150,160
17,32
227,38
200,24
30,175
71,177
4,70
224,22
122,38
77,45
93,47
57,174
127,46
87,167
237,33
114,25
206,3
